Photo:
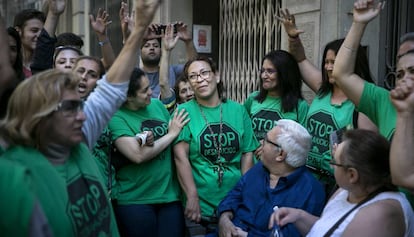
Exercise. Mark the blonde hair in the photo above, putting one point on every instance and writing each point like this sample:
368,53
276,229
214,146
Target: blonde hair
31,103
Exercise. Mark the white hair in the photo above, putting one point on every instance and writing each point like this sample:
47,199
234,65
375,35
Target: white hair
295,140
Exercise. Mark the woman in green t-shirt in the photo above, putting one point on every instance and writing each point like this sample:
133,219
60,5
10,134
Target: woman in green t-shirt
279,96
216,147
148,200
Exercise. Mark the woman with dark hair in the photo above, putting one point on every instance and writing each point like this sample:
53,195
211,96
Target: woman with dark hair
148,191
330,109
216,147
15,47
16,60
280,95
183,90
367,203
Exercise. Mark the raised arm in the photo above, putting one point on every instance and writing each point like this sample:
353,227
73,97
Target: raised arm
168,44
127,21
185,35
110,93
345,77
45,46
99,25
55,9
311,75
122,68
402,146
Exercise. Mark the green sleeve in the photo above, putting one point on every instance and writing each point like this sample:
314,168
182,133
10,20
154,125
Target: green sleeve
376,104
250,142
185,135
119,127
303,108
17,199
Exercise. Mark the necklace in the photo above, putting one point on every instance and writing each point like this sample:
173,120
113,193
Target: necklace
219,169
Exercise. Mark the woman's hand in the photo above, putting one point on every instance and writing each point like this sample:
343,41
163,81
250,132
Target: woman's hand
168,40
283,216
192,209
365,11
178,121
289,23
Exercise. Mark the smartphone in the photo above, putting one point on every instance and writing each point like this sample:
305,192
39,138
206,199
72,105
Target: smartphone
161,29
336,136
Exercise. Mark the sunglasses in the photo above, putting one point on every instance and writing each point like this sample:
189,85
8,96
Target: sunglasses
70,107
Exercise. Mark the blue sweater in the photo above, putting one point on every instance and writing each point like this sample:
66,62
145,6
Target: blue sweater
252,200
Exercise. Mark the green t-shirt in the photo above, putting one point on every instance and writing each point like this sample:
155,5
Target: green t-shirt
265,115
237,138
72,195
376,104
153,181
323,118
17,199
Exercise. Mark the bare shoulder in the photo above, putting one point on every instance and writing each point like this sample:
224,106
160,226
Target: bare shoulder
381,218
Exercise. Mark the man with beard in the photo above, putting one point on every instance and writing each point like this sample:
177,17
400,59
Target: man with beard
151,57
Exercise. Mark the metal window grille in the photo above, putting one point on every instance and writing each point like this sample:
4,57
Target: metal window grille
248,30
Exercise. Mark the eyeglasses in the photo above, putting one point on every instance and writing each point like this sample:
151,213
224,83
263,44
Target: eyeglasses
332,162
266,139
70,107
268,71
203,75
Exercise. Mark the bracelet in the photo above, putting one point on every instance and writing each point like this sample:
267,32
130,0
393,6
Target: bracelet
349,48
102,43
142,136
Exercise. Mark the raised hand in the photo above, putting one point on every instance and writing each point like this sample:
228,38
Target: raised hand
100,23
168,40
402,96
57,7
145,11
365,10
289,23
127,21
182,31
151,32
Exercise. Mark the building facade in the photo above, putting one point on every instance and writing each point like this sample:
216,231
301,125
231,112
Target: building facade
239,33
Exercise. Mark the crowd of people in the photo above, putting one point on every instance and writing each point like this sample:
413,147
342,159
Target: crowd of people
99,147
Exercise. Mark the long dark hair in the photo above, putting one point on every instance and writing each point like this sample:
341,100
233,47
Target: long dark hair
289,79
18,64
213,66
361,66
135,82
